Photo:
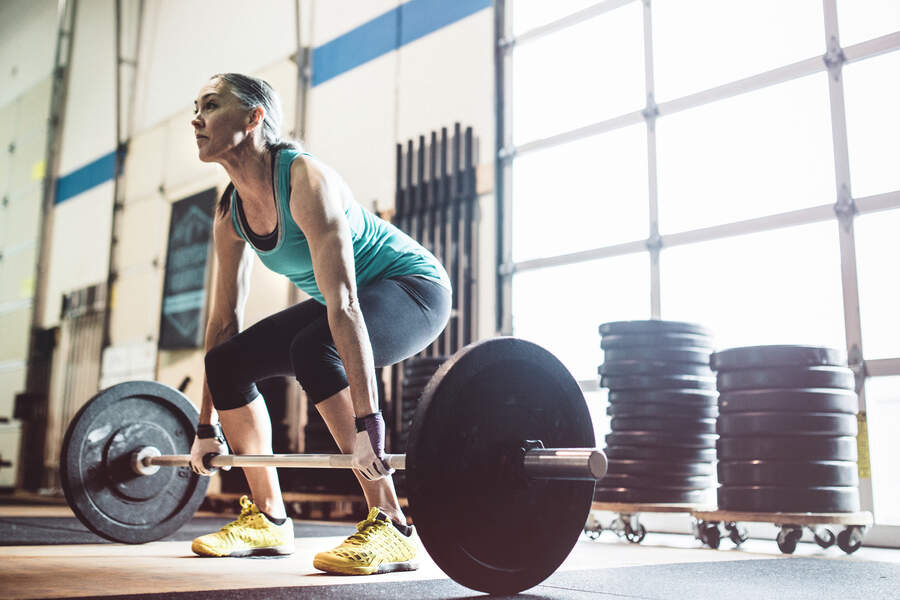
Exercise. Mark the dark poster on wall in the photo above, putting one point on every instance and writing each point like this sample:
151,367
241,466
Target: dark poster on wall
184,291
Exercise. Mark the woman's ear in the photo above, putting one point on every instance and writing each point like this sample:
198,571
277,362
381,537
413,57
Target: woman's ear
255,117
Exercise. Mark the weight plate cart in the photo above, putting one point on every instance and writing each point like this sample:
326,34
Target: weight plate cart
707,527
627,520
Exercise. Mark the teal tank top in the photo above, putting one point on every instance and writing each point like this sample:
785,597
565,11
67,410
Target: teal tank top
380,250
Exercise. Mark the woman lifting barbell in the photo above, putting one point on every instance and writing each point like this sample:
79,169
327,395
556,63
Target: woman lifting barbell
377,297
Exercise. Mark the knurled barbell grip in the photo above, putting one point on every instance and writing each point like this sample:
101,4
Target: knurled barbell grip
543,463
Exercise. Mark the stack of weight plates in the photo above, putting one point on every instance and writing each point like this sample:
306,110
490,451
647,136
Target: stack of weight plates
787,420
662,401
417,372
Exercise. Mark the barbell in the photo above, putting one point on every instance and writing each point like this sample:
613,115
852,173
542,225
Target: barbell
500,464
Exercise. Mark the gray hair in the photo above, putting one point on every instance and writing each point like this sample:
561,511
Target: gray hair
252,92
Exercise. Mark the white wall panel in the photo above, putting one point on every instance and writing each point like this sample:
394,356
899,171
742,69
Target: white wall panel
331,19
33,110
90,122
448,76
16,275
27,45
137,304
352,125
143,228
19,219
7,136
144,164
186,41
79,252
14,341
26,162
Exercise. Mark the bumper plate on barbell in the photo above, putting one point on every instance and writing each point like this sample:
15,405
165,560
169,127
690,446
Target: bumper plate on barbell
488,527
100,485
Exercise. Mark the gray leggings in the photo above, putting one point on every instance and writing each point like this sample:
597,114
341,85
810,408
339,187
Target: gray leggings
403,315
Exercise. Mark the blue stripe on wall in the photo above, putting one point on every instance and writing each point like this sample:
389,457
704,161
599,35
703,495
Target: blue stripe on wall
387,32
90,175
395,28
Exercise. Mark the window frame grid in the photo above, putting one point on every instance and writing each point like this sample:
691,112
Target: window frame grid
843,211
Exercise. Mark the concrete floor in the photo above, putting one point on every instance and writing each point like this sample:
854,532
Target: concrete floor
97,570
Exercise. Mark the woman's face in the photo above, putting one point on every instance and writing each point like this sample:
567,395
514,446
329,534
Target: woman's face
220,123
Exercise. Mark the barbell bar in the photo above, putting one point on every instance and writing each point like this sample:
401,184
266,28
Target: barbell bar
546,463
496,510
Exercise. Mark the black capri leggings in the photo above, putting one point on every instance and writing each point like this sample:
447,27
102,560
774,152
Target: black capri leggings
403,315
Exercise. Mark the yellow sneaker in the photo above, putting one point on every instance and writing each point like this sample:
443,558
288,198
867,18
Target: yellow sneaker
376,547
251,534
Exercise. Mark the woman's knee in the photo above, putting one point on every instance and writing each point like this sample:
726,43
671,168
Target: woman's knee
224,377
317,367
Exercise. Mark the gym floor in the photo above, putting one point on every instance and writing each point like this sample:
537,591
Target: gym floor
47,561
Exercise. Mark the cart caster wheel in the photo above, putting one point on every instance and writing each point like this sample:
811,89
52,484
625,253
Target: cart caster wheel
710,535
593,533
636,536
826,541
849,540
787,540
736,533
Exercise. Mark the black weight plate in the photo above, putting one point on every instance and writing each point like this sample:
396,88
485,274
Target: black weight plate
786,377
787,448
655,467
753,357
685,397
650,326
661,438
652,367
663,424
470,504
635,409
658,482
694,356
790,473
757,424
790,400
655,340
663,453
613,494
657,382
758,498
95,467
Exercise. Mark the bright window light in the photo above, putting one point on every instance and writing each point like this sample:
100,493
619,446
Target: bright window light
701,44
586,194
588,72
871,93
877,247
757,154
777,287
861,20
528,14
560,308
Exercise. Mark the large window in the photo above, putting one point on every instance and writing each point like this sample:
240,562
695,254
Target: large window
735,164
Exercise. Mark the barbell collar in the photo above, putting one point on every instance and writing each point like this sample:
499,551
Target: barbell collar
565,463
543,463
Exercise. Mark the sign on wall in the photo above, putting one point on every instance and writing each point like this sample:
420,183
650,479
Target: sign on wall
184,291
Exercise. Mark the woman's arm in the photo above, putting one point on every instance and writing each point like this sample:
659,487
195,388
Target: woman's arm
317,206
234,262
